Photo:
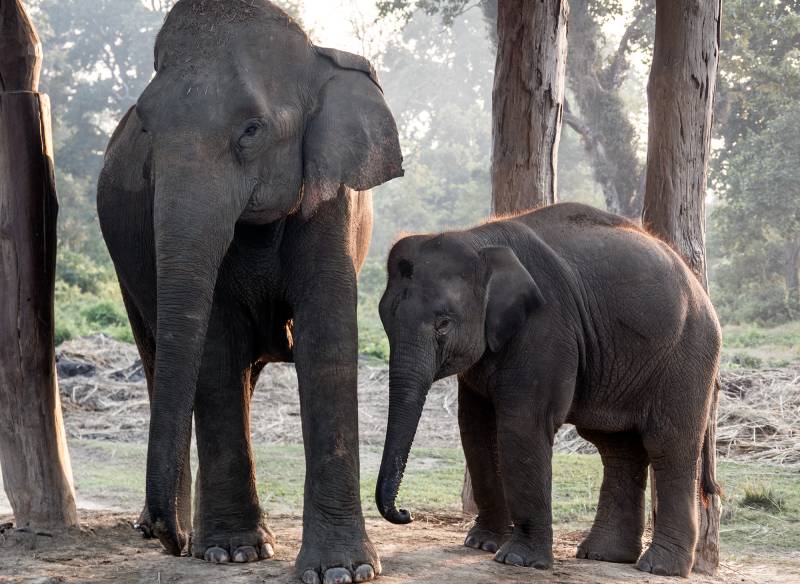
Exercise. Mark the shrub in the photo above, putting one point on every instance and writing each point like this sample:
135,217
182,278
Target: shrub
105,314
761,497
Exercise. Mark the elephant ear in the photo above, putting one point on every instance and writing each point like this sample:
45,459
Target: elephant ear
351,138
512,295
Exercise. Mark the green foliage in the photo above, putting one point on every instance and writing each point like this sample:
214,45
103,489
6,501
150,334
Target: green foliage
754,242
754,347
80,313
76,269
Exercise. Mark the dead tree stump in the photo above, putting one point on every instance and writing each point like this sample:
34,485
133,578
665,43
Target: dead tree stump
33,448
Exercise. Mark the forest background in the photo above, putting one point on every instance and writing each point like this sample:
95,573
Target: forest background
436,62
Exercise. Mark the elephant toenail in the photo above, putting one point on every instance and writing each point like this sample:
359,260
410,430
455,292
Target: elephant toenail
267,551
514,560
216,555
337,576
245,554
364,573
489,546
471,541
310,577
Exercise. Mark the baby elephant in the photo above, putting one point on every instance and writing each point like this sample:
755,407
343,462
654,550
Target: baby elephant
565,314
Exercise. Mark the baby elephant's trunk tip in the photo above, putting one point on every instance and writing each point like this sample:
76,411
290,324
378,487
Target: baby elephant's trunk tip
386,490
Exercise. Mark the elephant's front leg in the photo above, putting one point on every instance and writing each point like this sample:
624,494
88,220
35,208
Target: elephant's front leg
476,421
525,432
229,525
335,544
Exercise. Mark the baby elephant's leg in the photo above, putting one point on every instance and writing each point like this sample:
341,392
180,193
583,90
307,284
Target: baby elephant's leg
479,438
616,534
525,443
675,531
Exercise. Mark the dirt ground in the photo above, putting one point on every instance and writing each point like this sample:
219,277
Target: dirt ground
105,398
428,550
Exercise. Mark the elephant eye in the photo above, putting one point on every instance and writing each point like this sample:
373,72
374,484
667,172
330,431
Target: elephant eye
249,133
443,325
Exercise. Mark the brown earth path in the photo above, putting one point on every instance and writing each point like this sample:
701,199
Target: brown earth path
429,550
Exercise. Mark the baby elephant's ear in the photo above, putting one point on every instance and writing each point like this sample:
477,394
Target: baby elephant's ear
351,138
511,295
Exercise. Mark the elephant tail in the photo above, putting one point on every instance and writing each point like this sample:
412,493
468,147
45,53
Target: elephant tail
708,477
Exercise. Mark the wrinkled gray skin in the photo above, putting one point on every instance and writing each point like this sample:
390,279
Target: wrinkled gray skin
565,314
228,202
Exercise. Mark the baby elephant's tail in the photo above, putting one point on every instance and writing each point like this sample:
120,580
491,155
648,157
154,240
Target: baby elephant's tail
707,473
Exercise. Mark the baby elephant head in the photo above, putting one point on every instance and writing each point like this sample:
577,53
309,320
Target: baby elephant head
446,304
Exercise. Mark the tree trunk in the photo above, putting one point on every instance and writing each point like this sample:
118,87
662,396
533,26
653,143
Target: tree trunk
527,102
791,268
33,449
527,107
680,96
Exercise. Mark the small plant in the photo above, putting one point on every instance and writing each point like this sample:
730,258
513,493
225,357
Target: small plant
761,497
746,361
105,313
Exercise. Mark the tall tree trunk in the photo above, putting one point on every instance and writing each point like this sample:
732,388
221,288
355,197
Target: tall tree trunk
680,96
527,102
791,268
33,449
527,108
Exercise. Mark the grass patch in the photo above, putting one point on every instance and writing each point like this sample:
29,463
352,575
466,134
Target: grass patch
762,497
761,502
754,347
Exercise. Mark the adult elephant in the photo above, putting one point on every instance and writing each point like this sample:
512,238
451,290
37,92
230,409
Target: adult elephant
229,202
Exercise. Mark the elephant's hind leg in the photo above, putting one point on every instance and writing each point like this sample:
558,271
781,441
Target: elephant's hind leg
228,523
616,535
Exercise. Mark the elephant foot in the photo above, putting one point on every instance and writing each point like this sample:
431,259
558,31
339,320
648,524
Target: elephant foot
663,562
609,548
240,547
488,540
518,552
337,558
143,525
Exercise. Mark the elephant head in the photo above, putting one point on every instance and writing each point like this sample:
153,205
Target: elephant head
247,122
446,304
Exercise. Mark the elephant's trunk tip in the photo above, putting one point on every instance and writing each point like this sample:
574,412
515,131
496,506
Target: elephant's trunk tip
385,496
394,515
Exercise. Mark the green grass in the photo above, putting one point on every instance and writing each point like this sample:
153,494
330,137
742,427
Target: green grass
751,346
761,503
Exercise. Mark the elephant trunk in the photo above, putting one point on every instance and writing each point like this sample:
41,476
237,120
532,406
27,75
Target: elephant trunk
193,230
409,384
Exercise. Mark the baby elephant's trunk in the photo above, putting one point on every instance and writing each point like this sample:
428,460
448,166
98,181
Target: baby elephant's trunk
408,388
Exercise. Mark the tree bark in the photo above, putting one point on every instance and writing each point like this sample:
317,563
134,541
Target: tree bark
527,109
792,275
680,96
33,451
527,102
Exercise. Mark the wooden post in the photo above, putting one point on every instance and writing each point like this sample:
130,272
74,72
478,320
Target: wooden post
33,448
680,95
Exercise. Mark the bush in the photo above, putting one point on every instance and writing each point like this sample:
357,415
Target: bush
77,269
761,497
80,313
105,314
